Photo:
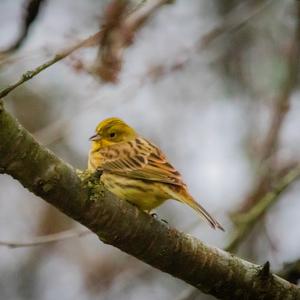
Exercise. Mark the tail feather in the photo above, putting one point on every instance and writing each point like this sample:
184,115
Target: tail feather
185,197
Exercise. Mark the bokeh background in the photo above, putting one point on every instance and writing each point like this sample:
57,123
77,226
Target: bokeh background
207,81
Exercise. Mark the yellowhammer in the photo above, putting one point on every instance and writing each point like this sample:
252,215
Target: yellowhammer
136,170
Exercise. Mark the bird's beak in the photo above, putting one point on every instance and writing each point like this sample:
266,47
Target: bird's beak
95,137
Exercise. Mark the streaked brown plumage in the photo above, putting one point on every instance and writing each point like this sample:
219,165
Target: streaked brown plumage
136,170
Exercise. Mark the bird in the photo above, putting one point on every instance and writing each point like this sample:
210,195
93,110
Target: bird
135,170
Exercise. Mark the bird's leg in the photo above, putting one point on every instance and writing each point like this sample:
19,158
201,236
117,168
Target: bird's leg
164,221
98,172
155,216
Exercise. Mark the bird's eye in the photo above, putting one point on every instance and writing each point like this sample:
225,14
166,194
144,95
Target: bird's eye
113,134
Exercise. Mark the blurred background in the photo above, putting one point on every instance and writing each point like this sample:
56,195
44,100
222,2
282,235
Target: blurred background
213,83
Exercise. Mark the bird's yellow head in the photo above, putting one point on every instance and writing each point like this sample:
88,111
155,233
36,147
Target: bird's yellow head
112,131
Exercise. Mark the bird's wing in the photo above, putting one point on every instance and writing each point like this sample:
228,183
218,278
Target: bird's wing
139,159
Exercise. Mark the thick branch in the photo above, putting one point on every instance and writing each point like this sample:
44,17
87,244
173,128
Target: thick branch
120,224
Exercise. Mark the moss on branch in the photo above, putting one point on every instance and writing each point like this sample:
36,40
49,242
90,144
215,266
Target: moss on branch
81,197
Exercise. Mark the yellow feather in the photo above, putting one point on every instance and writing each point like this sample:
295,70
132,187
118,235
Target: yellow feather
136,170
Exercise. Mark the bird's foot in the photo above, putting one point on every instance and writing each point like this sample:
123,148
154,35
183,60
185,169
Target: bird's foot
164,221
155,216
98,173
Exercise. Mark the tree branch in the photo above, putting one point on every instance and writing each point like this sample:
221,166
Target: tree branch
244,222
238,17
279,113
131,23
124,226
119,29
59,56
46,239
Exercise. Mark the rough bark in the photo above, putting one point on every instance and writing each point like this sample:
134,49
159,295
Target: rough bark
118,223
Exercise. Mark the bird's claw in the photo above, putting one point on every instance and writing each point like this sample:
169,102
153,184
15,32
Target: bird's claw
164,221
154,215
98,172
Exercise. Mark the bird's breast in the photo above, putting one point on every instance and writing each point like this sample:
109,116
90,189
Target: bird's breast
144,194
95,160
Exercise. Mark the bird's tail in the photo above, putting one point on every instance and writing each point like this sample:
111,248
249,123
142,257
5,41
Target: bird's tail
185,197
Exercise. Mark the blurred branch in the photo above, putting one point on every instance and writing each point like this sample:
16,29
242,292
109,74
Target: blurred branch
119,30
88,42
281,108
233,38
108,62
282,102
237,18
244,222
126,227
132,23
257,204
120,33
31,10
46,239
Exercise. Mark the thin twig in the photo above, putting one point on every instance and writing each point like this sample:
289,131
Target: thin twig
236,19
246,221
88,42
135,20
281,108
282,102
137,17
94,39
233,21
46,239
